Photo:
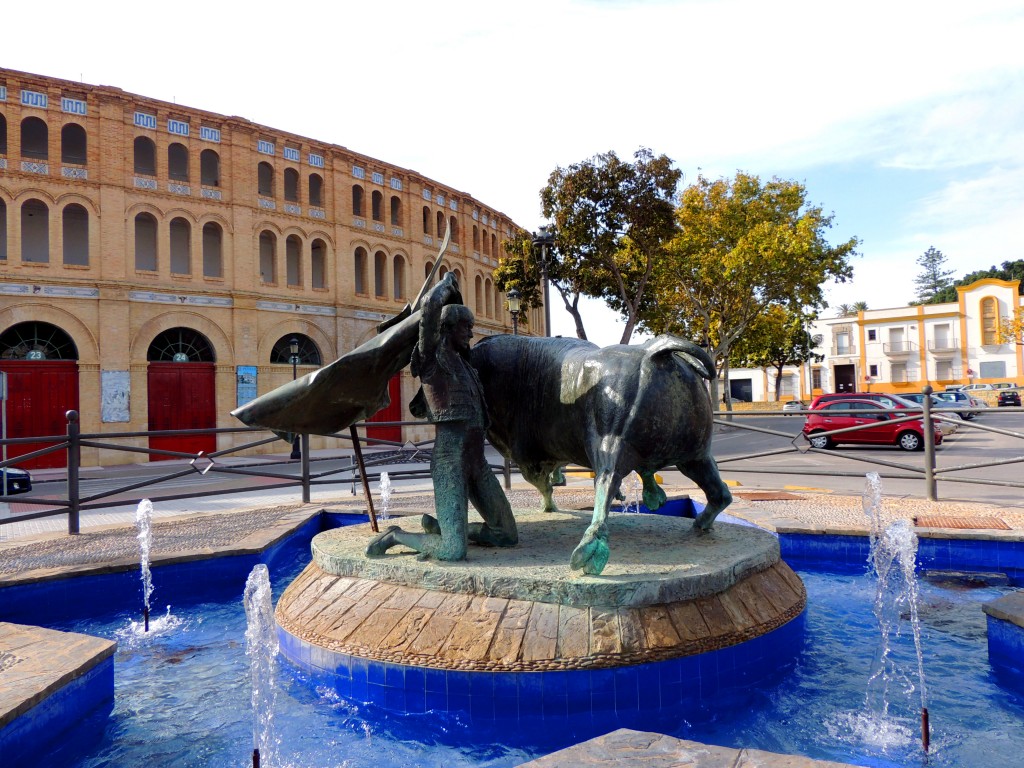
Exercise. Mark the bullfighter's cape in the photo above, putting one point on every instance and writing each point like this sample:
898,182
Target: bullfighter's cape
352,388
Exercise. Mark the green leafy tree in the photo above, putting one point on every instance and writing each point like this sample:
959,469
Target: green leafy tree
612,220
778,338
932,278
1011,329
744,246
518,269
1010,270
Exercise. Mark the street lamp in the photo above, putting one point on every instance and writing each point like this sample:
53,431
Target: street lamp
293,348
514,302
545,239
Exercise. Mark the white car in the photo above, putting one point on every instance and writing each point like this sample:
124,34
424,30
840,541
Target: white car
976,387
794,405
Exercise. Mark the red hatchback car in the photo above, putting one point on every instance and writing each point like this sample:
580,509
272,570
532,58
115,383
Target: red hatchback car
908,435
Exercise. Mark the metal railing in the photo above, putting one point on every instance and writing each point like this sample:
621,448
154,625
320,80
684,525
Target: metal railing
358,469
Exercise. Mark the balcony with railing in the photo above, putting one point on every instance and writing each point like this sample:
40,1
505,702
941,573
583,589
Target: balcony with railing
899,348
943,347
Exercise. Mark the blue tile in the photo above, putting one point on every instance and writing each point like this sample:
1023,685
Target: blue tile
555,684
415,679
482,707
555,707
671,695
436,701
375,673
531,685
436,680
459,702
602,682
506,707
481,685
394,676
648,677
394,699
343,686
415,701
627,696
376,694
458,683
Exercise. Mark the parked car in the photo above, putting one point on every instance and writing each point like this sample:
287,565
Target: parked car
1004,385
976,387
793,405
908,435
963,400
949,423
886,400
1009,397
18,480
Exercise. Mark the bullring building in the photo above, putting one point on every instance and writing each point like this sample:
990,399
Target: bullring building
157,262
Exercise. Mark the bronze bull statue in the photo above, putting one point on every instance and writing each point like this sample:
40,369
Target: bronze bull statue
556,401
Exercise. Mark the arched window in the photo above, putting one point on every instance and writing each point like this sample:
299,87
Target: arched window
498,307
380,269
308,354
268,257
177,162
76,235
291,185
478,295
454,224
488,295
209,168
476,238
3,135
357,200
426,220
318,264
145,156
494,246
145,242
213,250
181,345
396,211
265,179
35,139
3,230
426,269
487,244
316,190
359,270
377,202
73,144
35,232
181,246
35,340
989,320
398,277
293,261
440,224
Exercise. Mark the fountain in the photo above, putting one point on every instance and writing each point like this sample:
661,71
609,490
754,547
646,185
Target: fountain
143,520
261,648
385,496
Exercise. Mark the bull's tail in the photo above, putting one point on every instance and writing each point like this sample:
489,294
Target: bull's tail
697,358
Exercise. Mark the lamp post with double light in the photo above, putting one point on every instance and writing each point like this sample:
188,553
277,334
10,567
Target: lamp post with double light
545,240
293,349
514,303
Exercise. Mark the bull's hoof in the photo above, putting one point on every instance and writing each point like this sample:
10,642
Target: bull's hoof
590,556
430,524
653,499
382,542
702,523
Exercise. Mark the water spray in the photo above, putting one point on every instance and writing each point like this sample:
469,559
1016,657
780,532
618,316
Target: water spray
143,520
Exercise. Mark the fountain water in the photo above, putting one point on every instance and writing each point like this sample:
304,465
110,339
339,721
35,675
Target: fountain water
892,559
261,648
385,496
143,521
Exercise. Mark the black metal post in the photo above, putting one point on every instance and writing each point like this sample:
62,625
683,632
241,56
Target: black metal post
545,239
74,464
929,444
305,468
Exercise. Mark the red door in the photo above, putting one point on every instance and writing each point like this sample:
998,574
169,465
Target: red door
39,393
182,396
392,413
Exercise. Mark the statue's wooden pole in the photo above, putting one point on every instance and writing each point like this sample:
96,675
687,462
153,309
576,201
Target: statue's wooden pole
362,473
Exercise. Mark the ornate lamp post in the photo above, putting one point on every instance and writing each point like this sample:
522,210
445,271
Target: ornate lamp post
545,239
514,302
293,349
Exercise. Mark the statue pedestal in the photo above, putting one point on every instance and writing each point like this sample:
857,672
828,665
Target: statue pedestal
514,636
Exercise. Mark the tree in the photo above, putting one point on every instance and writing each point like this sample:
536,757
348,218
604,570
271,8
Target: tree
1010,270
932,278
1011,329
612,220
743,246
776,339
518,269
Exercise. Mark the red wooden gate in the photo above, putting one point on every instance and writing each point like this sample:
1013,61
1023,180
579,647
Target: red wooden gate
392,413
182,396
39,393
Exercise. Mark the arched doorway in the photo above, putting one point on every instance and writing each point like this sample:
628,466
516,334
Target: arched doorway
393,412
40,362
182,393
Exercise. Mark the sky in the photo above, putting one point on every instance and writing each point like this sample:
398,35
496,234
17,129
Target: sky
904,119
